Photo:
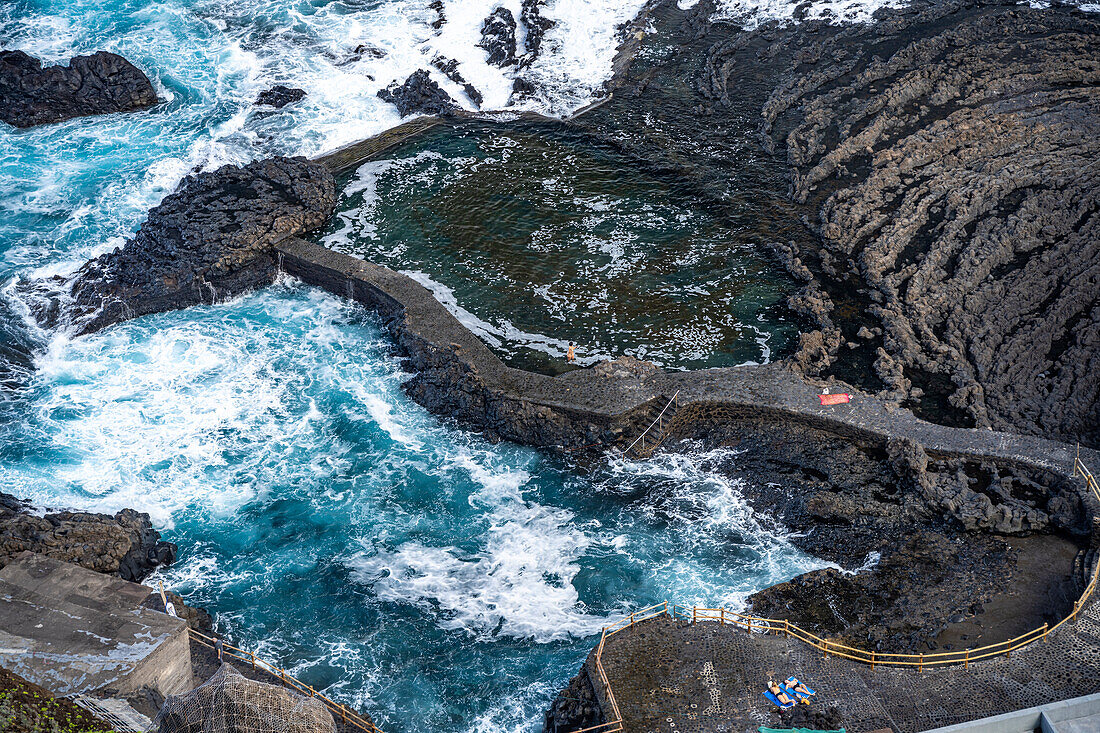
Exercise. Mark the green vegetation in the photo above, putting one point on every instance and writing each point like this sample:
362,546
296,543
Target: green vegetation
27,708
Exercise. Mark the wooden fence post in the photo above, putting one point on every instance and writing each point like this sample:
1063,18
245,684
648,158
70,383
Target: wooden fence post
872,661
966,660
1045,628
693,614
722,616
920,663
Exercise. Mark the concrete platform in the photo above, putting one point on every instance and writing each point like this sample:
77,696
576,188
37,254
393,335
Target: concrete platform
71,630
675,677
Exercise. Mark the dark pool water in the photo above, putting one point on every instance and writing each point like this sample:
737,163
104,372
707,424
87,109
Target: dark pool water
536,238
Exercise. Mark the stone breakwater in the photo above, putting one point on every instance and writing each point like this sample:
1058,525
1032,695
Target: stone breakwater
455,374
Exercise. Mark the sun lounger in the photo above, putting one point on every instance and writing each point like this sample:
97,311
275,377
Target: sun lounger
775,701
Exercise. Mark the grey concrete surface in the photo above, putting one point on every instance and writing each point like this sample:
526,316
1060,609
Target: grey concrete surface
674,677
71,630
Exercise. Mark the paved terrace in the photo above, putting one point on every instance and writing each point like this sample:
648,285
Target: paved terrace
457,374
671,676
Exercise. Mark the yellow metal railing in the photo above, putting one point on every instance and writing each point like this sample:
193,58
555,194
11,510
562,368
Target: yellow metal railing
784,626
346,714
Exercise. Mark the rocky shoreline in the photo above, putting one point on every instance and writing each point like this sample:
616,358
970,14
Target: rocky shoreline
934,176
125,545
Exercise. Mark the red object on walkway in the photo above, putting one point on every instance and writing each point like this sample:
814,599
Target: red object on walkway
835,399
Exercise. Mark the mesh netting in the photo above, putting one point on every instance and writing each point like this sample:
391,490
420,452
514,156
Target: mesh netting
229,702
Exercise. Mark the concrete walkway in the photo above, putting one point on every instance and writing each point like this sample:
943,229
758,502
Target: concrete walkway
674,677
611,403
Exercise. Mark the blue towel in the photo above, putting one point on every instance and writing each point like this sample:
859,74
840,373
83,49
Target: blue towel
790,685
775,701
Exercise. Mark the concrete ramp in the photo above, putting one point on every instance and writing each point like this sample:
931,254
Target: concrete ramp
72,630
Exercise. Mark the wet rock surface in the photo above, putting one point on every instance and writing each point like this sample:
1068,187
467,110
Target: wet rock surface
916,552
498,37
449,67
536,26
575,707
124,544
280,96
419,94
102,83
950,153
211,239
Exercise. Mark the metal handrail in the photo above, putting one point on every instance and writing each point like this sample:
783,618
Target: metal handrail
784,626
655,421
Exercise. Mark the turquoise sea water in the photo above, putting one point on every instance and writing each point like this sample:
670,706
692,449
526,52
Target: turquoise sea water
397,562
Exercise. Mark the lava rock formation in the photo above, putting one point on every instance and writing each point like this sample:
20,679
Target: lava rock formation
102,83
418,95
125,544
280,96
211,239
498,37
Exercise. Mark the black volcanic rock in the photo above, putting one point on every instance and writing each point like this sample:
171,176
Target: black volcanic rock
280,96
418,95
450,68
536,26
211,239
498,37
125,544
441,18
102,83
521,88
950,152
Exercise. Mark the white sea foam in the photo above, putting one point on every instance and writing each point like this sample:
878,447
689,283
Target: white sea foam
519,582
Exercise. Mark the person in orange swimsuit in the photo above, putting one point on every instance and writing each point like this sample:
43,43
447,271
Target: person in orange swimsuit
571,354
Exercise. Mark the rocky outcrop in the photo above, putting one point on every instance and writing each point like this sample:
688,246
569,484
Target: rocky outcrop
498,37
440,16
419,94
280,96
536,25
124,544
449,67
575,707
951,151
211,239
232,703
102,83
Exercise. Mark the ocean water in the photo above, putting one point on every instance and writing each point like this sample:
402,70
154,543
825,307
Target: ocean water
397,562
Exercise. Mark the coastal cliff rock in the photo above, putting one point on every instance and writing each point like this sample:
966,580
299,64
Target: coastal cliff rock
280,96
498,37
951,152
211,239
575,707
102,83
232,703
125,544
419,94
536,25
